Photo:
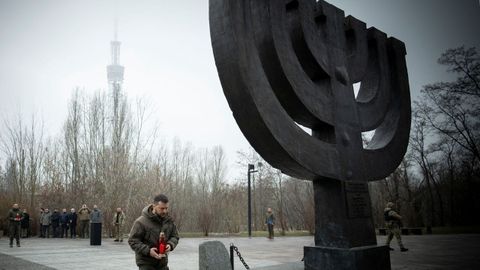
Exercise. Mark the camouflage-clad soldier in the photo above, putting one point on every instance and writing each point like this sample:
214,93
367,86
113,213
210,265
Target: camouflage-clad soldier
393,223
118,220
84,216
145,235
15,217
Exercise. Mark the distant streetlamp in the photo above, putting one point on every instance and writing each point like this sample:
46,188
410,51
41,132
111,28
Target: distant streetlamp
251,169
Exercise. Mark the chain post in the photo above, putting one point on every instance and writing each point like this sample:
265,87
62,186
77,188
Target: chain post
233,247
231,256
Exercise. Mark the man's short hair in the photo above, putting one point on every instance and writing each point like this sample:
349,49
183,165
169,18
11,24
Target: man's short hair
160,198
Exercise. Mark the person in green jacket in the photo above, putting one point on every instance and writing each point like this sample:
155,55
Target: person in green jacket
118,220
84,217
15,217
145,235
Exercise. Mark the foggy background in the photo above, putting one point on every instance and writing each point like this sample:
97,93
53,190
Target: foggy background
48,48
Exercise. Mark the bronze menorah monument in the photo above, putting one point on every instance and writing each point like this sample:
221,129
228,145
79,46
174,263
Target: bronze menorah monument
286,63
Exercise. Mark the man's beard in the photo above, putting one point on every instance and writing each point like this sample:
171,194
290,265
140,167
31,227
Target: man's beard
159,214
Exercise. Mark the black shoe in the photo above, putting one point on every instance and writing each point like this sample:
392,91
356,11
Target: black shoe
116,240
11,245
391,249
121,240
18,245
403,249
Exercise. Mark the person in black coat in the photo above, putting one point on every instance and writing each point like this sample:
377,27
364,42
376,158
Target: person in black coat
25,224
64,223
55,222
72,223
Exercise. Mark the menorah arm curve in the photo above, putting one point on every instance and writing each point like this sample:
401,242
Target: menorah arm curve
373,98
260,116
389,144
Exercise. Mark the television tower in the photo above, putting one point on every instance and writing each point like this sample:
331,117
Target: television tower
115,70
115,80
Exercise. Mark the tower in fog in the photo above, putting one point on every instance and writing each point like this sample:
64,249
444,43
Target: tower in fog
115,81
115,70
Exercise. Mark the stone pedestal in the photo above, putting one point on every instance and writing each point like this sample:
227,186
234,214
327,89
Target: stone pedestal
359,258
344,232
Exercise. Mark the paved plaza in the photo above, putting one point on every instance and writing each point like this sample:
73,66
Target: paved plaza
426,252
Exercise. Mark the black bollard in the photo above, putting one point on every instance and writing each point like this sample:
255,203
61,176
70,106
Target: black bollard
95,234
231,256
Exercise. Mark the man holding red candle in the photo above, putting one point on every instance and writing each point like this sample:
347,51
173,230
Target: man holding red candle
15,216
147,233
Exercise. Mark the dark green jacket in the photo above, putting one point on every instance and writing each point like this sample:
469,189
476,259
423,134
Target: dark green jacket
12,214
145,235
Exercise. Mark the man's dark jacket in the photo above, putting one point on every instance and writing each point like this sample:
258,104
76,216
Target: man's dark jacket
72,219
13,215
55,219
25,223
145,235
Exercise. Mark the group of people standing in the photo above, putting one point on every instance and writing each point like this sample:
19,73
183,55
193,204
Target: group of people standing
62,224
58,223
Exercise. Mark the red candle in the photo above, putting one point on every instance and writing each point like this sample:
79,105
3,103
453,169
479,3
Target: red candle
162,244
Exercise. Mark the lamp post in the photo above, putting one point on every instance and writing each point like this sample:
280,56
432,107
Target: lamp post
251,169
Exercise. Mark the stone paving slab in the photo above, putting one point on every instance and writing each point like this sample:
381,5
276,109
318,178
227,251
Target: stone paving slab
8,262
426,252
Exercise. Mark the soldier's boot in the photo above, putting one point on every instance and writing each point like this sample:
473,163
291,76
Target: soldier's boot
402,249
18,244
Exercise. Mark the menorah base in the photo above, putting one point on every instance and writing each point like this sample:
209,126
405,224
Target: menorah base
359,258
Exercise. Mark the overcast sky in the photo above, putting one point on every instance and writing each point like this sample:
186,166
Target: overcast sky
49,47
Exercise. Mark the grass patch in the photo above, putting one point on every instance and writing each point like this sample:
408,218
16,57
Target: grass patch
243,234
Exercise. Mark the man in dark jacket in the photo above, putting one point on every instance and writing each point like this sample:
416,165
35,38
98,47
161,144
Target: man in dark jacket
72,223
64,223
25,224
145,234
55,222
14,217
40,217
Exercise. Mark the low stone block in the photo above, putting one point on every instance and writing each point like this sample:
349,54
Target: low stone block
213,256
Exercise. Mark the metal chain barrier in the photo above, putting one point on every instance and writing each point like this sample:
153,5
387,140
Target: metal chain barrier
234,248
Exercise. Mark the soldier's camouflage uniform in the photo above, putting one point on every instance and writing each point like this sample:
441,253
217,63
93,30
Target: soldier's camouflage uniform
392,223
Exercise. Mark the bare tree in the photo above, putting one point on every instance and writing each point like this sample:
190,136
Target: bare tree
453,108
